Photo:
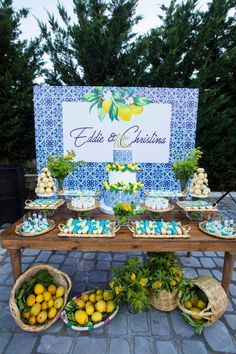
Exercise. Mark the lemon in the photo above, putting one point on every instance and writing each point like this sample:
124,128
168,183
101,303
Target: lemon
44,305
110,306
92,297
108,295
99,297
42,316
85,297
81,317
88,303
35,309
39,289
25,314
80,303
96,317
188,305
89,310
58,302
30,300
52,289
106,105
136,109
100,306
197,310
201,304
125,113
39,298
52,313
47,296
60,291
50,303
32,320
99,291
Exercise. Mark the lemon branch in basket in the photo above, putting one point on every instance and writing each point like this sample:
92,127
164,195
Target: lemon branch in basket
119,104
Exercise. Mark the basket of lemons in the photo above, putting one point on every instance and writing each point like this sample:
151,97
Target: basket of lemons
202,301
38,297
90,310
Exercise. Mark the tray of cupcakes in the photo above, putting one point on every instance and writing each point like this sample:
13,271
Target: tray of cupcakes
86,228
223,228
197,205
43,204
159,229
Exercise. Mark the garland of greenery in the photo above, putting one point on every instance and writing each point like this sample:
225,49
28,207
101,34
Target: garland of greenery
130,188
131,167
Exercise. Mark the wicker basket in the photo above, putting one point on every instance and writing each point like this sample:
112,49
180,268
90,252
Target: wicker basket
164,300
217,300
59,277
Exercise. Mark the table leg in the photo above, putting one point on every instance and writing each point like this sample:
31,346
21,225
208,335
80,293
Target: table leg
15,255
227,270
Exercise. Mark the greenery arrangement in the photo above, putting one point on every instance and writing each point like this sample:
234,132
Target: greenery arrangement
131,167
129,283
130,188
184,169
60,166
164,271
123,211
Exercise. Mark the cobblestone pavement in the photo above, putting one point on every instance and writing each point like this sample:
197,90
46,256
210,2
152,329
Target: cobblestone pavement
152,332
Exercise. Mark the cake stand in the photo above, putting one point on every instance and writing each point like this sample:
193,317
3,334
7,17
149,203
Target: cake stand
157,213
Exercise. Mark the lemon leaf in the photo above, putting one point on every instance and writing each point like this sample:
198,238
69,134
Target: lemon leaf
101,113
113,112
93,104
141,101
90,96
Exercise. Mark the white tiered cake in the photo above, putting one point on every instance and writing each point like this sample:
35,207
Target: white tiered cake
122,185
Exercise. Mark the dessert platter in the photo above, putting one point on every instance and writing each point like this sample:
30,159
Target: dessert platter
219,228
159,229
122,185
45,184
197,205
88,228
164,193
157,204
199,184
44,203
79,193
83,204
34,226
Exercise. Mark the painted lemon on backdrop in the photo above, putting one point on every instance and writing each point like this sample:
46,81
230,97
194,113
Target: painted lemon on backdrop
125,113
106,105
81,317
136,109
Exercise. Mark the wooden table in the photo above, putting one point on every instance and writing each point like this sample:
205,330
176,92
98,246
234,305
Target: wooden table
123,242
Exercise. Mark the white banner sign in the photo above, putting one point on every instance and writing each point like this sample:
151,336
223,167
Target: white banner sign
147,132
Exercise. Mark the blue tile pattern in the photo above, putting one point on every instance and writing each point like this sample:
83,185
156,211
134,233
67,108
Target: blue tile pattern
48,130
122,156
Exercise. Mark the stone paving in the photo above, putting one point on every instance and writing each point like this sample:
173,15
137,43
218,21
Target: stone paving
151,332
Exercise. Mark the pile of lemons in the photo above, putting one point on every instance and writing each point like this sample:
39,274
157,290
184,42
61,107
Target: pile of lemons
43,304
195,305
94,307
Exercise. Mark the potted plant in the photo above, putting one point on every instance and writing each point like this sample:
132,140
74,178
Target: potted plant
123,211
60,166
184,169
129,283
164,275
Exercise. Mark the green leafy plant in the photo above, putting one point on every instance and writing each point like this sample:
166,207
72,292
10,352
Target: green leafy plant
129,283
119,104
184,169
124,210
164,271
60,166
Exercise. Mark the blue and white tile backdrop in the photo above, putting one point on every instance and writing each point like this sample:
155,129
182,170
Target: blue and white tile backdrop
49,134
